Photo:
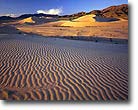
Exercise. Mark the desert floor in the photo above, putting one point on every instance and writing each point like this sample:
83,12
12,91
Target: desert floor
38,68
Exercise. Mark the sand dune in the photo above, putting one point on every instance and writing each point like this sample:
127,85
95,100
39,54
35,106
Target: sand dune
87,20
118,29
83,26
26,20
38,68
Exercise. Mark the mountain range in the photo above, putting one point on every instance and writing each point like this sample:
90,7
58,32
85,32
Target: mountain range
120,11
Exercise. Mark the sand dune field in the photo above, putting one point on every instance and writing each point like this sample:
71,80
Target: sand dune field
38,68
116,29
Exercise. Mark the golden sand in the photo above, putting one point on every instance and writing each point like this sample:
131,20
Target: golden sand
26,20
117,29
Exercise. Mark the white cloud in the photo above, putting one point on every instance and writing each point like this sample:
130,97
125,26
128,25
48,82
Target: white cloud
51,11
11,15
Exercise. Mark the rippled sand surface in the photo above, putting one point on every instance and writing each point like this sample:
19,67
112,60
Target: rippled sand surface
38,68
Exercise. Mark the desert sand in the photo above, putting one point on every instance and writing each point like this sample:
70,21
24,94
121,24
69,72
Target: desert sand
87,26
38,68
83,26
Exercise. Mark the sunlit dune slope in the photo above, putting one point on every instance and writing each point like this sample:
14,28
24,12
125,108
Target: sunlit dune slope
26,20
87,20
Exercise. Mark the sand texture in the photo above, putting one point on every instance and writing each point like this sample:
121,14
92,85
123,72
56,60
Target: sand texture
39,68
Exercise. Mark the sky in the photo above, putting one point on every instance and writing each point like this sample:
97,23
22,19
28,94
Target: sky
61,7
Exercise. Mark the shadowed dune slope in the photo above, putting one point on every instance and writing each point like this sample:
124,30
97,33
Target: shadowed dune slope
37,68
7,29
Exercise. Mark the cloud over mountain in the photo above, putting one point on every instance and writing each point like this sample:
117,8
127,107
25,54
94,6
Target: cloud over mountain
51,11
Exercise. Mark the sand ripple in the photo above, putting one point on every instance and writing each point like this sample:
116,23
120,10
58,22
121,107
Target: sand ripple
37,68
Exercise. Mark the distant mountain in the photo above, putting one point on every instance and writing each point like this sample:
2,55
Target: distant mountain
120,11
35,15
6,18
76,15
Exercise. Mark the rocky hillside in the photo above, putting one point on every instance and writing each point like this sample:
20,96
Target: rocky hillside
120,11
73,16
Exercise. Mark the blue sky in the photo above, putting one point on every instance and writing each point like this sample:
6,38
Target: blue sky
59,6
